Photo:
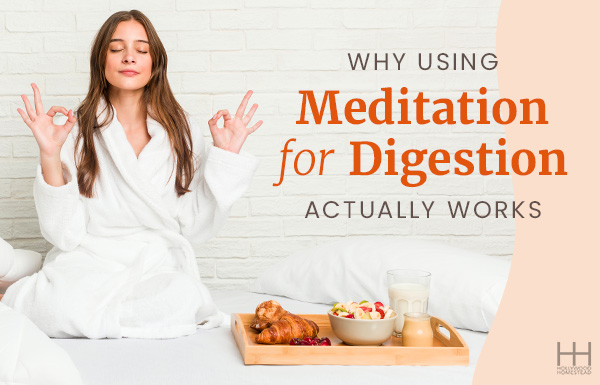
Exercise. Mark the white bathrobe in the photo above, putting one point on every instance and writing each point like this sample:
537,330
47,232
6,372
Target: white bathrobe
122,263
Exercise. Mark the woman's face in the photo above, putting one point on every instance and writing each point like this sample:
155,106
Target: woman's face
128,63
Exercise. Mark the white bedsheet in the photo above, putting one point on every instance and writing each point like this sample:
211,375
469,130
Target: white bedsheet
212,357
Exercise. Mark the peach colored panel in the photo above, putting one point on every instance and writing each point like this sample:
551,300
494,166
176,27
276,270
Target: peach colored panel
551,50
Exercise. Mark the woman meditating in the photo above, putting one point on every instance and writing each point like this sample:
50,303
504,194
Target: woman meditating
122,189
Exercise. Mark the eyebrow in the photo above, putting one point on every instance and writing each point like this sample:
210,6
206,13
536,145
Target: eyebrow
141,41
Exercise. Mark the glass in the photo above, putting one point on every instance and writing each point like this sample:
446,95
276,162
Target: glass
409,292
417,330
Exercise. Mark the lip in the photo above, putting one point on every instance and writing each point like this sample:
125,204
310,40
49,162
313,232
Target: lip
129,72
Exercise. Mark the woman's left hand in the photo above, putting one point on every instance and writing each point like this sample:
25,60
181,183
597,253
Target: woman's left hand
235,129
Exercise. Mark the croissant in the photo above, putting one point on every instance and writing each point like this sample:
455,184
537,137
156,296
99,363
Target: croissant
267,313
288,327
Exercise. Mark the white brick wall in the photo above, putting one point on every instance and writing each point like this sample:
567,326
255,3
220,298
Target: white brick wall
217,50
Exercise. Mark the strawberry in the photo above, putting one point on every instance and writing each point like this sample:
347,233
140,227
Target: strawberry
350,316
378,305
380,311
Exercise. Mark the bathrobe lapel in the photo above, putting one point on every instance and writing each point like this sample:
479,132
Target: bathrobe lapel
156,153
143,176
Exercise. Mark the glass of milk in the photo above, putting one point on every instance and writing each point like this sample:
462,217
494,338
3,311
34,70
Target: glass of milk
409,292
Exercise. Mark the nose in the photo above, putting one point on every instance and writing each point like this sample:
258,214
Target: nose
129,58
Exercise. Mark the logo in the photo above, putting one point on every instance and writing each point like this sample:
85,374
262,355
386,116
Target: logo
564,359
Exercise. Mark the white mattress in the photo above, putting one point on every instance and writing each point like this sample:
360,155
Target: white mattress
211,356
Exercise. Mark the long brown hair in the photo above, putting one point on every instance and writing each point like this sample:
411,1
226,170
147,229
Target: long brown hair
157,96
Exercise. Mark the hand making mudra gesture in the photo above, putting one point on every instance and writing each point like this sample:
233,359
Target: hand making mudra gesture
235,129
50,137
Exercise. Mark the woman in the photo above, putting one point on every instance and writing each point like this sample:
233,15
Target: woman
121,190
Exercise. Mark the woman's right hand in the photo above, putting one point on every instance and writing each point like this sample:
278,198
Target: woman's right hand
49,136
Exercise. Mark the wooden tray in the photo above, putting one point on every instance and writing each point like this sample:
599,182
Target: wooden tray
445,351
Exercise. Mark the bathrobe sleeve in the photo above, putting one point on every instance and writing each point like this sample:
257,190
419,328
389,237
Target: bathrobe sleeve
221,178
61,211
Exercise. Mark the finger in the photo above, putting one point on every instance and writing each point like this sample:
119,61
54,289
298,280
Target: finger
26,119
54,109
250,114
242,108
255,127
70,121
212,122
37,98
225,114
28,107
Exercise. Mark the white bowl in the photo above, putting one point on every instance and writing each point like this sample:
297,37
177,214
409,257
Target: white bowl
362,331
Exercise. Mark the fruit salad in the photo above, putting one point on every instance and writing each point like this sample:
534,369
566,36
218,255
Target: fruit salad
362,310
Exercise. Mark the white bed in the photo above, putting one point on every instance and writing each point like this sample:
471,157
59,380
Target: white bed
211,356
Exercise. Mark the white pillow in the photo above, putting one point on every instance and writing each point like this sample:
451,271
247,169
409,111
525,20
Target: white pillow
16,264
466,287
7,256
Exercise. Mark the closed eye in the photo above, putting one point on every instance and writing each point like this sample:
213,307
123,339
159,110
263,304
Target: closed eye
119,50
